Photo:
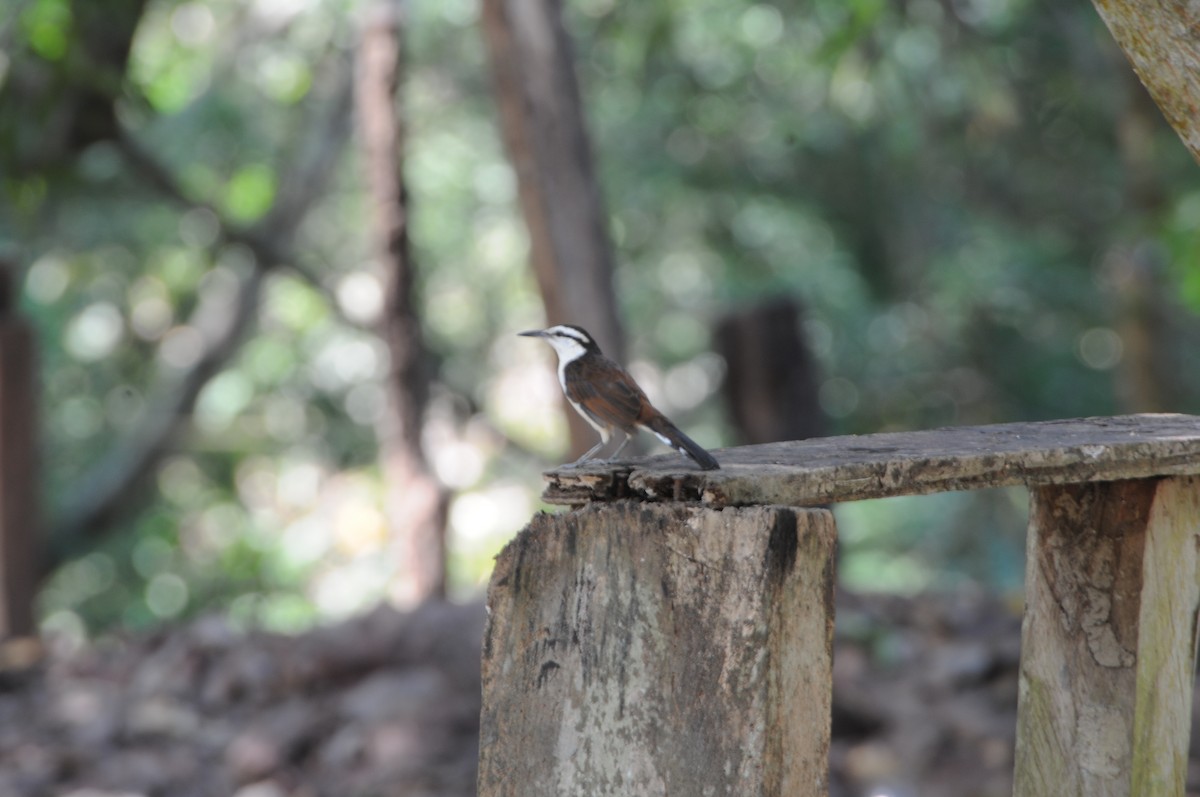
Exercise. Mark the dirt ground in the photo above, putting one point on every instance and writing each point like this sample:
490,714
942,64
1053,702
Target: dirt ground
387,705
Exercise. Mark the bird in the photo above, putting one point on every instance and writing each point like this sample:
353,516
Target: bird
607,397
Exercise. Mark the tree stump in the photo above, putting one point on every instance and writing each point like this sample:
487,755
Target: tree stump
660,650
770,384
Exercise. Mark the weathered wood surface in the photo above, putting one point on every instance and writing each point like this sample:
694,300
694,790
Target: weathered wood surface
814,472
1160,38
1109,639
660,650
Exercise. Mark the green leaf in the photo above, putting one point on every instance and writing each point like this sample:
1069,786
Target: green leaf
47,25
250,192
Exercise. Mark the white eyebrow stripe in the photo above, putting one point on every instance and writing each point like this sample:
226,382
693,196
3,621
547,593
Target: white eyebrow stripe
567,332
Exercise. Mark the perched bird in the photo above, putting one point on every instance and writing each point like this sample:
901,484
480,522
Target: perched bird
608,398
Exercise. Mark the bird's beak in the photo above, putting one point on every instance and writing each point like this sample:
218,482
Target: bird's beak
533,333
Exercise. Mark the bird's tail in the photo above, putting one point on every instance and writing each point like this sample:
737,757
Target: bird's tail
666,431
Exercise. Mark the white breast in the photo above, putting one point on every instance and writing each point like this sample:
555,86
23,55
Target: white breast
568,350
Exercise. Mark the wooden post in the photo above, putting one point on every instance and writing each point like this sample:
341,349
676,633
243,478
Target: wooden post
658,649
1109,639
18,462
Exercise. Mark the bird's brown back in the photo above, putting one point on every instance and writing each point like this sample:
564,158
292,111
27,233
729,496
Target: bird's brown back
607,392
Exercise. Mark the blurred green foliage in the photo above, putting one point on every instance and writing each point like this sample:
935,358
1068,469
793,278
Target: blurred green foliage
957,192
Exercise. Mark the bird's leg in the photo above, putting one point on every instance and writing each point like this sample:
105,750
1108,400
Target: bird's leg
588,454
624,443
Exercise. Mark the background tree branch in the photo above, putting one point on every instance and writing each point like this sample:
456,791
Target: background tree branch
222,320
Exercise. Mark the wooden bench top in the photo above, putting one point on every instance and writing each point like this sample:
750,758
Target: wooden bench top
857,467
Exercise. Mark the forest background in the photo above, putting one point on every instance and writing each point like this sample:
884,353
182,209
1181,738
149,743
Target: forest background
973,210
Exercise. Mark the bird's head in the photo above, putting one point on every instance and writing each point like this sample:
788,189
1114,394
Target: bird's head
568,340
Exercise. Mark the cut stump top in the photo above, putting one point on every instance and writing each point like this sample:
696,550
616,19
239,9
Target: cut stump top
857,467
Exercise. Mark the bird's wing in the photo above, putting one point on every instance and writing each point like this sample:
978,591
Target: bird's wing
608,394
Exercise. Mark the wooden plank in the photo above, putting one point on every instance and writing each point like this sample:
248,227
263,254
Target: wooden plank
1109,639
824,470
660,650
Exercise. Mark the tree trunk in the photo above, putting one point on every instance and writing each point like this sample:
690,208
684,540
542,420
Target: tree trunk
542,121
18,468
771,378
1134,271
416,503
1159,37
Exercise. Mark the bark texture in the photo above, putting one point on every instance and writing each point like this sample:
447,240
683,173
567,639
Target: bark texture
1160,38
657,650
1109,639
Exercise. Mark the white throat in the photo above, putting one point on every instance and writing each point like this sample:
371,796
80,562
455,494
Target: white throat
568,350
